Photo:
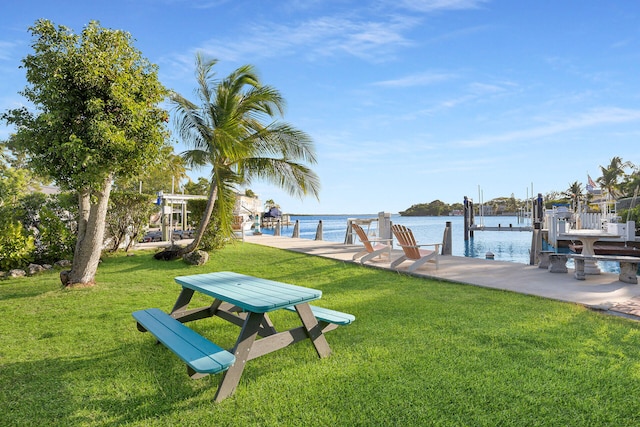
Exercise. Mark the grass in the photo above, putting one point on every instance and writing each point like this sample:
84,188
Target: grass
421,352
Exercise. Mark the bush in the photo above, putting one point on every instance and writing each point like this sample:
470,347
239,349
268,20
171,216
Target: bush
633,215
55,240
16,244
212,238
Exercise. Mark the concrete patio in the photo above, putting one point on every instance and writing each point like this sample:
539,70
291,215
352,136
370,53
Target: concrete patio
601,292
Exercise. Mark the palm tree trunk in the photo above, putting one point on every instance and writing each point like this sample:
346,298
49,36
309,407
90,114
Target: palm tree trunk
204,222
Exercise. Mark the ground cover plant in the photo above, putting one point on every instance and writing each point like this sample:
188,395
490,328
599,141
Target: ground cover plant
421,352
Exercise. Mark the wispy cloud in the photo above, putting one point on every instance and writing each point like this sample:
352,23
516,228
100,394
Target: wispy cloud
596,117
322,37
6,50
419,79
436,5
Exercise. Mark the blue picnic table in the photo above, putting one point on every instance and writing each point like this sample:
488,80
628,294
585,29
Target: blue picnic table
244,301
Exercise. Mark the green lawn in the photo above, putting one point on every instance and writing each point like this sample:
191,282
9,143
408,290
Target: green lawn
421,352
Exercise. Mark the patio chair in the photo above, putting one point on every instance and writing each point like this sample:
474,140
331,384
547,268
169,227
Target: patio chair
412,251
372,247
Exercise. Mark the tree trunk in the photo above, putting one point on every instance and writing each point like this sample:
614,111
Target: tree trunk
91,226
204,222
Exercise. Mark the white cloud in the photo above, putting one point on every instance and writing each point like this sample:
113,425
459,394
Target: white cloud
322,37
6,49
436,5
419,79
596,117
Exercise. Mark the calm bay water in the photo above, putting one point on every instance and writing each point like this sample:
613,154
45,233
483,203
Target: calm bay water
506,245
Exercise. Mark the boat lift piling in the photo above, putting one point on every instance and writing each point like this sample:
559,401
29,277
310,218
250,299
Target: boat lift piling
468,218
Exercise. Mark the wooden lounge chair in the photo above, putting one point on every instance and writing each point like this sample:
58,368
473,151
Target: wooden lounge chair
372,247
412,251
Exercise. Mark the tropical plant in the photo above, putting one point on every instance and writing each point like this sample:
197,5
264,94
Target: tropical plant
96,119
611,175
235,131
164,174
200,187
574,193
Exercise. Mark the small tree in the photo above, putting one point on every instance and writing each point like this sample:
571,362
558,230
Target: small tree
127,216
96,119
237,132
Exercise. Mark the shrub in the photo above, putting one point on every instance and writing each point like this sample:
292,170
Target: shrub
55,240
16,244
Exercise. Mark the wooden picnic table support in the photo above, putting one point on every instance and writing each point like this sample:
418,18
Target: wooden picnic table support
248,301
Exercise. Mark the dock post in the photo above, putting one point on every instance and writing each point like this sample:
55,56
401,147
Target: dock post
319,231
533,253
384,226
348,237
468,218
446,240
296,229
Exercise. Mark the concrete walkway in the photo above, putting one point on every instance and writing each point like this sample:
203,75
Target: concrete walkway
602,292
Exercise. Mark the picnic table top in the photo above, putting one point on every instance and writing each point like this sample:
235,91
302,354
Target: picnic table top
247,292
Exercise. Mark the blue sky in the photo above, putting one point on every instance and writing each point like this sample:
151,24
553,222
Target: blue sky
408,101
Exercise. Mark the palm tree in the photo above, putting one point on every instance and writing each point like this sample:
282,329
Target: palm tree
611,175
574,192
235,131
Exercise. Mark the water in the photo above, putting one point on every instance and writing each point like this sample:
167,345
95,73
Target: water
511,246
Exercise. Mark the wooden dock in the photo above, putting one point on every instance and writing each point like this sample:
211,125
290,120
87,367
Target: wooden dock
500,228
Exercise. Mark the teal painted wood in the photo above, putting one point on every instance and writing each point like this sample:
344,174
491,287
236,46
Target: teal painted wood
199,353
328,315
250,293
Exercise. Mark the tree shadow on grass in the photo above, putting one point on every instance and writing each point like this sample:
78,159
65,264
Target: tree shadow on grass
117,387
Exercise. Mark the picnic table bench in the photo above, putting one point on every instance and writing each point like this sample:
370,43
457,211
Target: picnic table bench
201,355
628,266
244,301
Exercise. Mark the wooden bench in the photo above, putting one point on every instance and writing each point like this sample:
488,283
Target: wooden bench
327,318
201,355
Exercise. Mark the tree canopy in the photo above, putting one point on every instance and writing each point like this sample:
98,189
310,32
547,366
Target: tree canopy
95,117
234,129
95,100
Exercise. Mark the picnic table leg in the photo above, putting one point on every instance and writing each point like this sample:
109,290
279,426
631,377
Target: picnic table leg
314,330
242,349
183,300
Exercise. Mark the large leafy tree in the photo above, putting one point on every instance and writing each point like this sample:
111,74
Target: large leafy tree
95,118
234,129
